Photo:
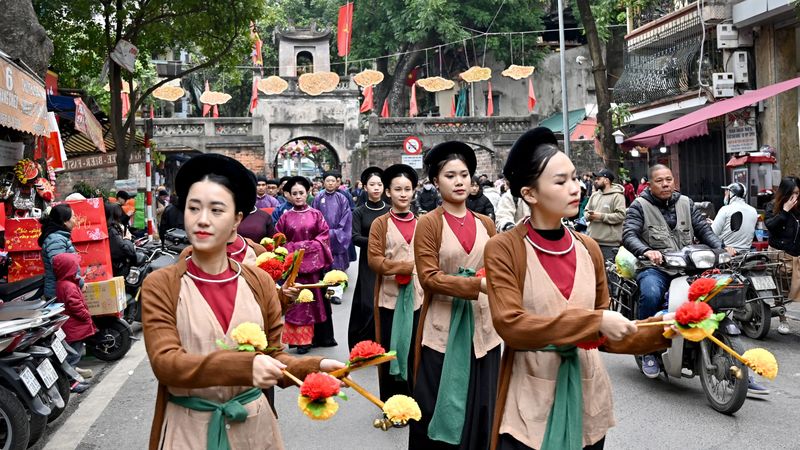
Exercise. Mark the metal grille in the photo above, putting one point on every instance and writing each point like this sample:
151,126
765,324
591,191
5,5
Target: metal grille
663,62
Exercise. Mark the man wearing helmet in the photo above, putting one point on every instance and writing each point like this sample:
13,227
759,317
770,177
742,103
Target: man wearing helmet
735,223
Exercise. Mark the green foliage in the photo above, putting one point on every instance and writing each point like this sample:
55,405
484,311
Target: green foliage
620,115
84,32
611,12
90,191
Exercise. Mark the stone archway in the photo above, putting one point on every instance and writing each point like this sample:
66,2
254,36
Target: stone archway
307,156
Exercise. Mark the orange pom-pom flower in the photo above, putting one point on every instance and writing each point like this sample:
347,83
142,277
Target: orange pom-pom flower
365,350
319,386
701,287
692,313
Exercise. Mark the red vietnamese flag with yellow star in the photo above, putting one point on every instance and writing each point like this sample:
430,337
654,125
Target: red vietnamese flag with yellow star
344,29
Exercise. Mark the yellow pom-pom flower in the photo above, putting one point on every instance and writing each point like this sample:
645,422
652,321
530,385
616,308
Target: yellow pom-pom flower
762,362
335,277
267,241
249,333
281,251
317,410
401,408
305,296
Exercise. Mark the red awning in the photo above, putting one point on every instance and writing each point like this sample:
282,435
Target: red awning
694,124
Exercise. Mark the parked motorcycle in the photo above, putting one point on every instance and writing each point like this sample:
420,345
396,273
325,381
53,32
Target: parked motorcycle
150,256
31,370
765,295
723,378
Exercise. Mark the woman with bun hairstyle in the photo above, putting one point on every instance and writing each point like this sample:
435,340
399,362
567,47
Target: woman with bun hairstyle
549,303
398,294
457,349
305,228
191,305
362,324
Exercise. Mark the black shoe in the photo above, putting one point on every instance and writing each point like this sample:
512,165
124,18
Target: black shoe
336,300
303,349
326,344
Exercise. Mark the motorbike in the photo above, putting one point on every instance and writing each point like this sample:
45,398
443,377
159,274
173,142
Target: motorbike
32,375
723,378
150,256
765,294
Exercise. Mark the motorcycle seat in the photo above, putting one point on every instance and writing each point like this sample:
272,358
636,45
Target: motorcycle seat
15,289
21,310
14,357
39,352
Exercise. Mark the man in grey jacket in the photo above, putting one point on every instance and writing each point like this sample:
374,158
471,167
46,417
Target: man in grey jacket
605,212
736,222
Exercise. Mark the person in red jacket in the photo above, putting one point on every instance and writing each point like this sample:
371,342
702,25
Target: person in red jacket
79,326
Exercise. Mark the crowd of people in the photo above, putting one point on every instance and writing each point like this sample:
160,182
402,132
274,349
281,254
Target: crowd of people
453,269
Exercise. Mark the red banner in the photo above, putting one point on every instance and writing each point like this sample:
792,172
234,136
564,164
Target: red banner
345,29
89,237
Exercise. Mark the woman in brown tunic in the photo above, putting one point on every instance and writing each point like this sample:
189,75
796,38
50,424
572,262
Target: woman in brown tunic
549,303
458,351
398,294
207,397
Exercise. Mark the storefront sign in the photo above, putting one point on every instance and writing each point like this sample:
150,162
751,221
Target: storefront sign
97,161
86,123
740,132
23,104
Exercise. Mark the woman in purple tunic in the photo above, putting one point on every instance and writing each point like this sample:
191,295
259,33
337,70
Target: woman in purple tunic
305,228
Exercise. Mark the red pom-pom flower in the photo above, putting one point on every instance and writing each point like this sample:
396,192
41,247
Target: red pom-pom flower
692,313
701,287
366,350
319,386
402,280
273,267
481,273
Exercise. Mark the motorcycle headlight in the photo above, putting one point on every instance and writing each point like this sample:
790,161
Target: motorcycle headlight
703,259
133,276
724,258
674,261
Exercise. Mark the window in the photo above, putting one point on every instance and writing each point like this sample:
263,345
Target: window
305,63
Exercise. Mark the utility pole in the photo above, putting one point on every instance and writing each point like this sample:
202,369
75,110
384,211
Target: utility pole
564,109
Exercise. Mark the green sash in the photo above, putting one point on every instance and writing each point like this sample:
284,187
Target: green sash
402,329
232,410
565,423
447,422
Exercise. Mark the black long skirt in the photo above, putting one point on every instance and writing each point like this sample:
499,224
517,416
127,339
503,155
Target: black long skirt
323,331
481,398
362,313
388,384
508,442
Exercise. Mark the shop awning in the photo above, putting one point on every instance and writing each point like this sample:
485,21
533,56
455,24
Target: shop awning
556,121
695,124
737,161
584,131
81,144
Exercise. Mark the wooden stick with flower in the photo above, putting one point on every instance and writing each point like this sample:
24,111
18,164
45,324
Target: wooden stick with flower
695,320
398,409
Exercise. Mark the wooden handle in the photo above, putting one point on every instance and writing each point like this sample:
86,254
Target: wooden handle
662,323
310,286
293,378
344,371
728,349
298,259
368,395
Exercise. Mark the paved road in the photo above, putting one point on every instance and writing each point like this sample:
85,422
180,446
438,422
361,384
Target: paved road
116,412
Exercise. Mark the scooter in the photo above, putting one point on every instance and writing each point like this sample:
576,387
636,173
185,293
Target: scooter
723,378
765,295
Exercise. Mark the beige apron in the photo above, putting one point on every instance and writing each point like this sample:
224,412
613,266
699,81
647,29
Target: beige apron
531,390
249,256
397,249
199,329
437,319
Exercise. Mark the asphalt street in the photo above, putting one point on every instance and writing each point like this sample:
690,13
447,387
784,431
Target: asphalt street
116,412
